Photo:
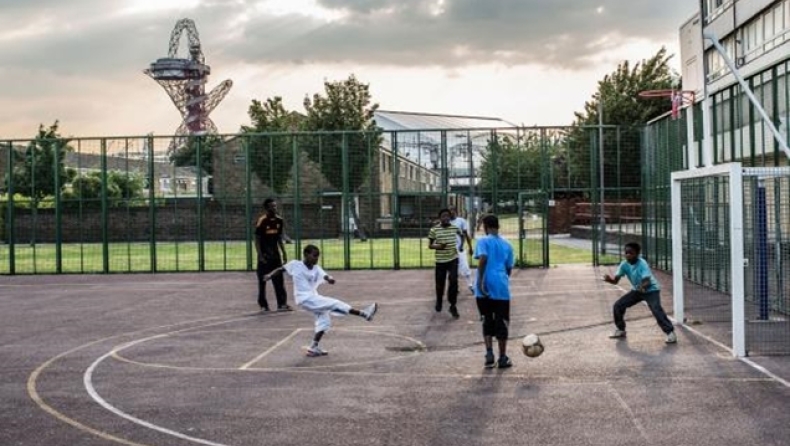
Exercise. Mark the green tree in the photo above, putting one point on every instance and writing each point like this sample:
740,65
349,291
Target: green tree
270,141
187,156
618,98
512,165
40,171
346,106
122,188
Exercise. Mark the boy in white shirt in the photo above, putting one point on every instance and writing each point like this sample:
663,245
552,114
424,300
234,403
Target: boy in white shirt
463,238
307,276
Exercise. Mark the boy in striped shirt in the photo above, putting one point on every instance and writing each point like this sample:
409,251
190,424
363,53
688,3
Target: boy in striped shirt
443,239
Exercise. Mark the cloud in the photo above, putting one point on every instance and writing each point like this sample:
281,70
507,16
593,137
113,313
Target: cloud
91,50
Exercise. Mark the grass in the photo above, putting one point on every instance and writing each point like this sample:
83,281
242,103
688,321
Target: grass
237,256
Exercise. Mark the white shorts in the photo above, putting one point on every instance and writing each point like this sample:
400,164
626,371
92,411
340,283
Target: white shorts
322,308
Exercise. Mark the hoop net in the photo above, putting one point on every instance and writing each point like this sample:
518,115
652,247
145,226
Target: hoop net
678,98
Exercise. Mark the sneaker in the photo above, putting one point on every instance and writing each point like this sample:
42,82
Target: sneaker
370,311
454,311
490,363
472,290
671,338
504,362
285,308
264,309
315,351
617,334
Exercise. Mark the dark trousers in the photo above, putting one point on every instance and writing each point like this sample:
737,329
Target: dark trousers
443,271
277,281
653,300
496,316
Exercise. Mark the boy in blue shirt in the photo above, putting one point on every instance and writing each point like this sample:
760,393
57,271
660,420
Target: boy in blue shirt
644,287
492,289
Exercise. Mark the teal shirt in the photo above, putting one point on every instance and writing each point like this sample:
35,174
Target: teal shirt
636,273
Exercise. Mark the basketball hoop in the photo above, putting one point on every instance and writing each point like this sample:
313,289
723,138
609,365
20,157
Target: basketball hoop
678,98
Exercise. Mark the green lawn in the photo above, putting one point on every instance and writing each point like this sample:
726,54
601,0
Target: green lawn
236,256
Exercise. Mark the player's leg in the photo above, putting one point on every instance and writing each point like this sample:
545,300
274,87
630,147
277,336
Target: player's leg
260,271
278,282
440,277
487,322
464,270
628,300
452,290
501,332
654,303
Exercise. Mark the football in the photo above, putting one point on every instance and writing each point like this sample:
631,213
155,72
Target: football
531,345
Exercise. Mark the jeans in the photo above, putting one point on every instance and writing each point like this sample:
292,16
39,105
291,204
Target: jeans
653,300
443,270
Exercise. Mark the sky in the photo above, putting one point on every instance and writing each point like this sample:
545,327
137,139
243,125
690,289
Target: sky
530,62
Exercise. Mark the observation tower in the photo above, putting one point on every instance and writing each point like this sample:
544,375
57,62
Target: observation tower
184,79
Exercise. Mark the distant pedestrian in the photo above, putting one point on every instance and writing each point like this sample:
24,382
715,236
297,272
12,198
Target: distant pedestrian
307,276
463,238
443,239
495,264
269,236
644,287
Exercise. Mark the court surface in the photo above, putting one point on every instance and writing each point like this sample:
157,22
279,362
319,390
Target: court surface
186,359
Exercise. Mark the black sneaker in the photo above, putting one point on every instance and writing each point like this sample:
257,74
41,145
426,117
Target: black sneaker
504,362
454,311
284,308
264,309
490,363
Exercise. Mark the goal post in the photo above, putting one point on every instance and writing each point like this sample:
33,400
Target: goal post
685,237
731,255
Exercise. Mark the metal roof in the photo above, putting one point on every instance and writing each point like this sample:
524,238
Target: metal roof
398,120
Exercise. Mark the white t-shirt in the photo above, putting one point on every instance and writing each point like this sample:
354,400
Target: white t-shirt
306,280
463,225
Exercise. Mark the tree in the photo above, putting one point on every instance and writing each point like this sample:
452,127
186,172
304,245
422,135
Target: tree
618,97
40,171
513,165
347,107
187,156
270,145
122,188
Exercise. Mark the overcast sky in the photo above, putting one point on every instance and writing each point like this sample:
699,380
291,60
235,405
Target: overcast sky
526,61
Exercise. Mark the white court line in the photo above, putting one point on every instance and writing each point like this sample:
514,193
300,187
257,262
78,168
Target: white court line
87,380
271,349
631,414
747,361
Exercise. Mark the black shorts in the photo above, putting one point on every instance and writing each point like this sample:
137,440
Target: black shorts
496,316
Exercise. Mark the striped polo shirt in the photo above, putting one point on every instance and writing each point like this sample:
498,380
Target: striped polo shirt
447,235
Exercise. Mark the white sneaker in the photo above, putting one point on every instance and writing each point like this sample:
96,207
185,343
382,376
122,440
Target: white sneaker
671,338
617,334
370,311
315,351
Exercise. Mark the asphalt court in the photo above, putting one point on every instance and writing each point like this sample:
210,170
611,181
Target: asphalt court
185,359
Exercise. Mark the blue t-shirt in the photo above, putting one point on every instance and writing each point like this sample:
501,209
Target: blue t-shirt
636,273
499,258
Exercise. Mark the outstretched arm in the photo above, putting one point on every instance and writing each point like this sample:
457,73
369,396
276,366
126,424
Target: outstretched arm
269,276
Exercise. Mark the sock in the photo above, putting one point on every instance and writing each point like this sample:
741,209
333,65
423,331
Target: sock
490,351
314,344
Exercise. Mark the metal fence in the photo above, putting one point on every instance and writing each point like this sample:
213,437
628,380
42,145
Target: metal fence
106,205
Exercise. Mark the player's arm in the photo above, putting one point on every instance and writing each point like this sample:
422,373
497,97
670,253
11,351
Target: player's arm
278,270
432,241
468,240
281,244
482,262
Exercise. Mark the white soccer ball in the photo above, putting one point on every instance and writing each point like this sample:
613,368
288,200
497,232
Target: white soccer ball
531,345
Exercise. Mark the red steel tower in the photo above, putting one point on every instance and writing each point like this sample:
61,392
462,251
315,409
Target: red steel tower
184,80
